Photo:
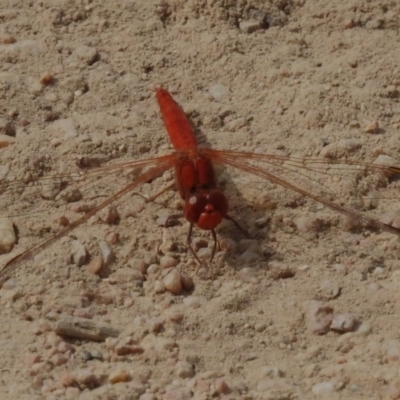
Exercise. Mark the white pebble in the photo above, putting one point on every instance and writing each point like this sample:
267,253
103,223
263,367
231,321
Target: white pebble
79,254
194,301
184,369
172,282
218,92
168,262
318,316
323,388
346,322
7,235
106,253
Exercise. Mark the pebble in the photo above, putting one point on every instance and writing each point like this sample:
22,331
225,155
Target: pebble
159,287
248,257
307,224
329,290
204,253
85,376
86,54
184,369
386,161
5,38
199,243
79,254
393,353
66,127
126,274
106,253
323,388
250,26
6,140
194,301
156,325
340,148
318,316
119,375
58,359
372,127
95,265
342,323
7,235
46,78
172,282
168,262
10,284
221,387
218,92
139,264
7,127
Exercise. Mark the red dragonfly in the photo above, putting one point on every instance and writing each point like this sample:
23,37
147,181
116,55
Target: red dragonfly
205,206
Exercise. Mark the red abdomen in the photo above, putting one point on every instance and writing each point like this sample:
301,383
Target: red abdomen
178,126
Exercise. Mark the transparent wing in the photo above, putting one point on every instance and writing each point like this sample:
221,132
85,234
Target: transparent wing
19,196
331,183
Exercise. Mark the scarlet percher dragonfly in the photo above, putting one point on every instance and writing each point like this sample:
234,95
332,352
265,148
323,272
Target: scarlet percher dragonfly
205,206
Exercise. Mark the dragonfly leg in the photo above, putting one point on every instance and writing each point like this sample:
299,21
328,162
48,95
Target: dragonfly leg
241,229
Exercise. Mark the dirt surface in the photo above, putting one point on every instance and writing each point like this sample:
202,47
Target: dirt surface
306,308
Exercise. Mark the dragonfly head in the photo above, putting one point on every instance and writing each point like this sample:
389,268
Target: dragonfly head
206,209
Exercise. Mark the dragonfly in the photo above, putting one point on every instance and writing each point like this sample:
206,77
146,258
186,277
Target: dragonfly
204,205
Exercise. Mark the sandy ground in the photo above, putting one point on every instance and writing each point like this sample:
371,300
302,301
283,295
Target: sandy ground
304,309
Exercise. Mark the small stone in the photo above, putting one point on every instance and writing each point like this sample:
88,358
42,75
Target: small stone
218,92
194,301
58,359
46,78
168,262
79,255
172,282
250,26
346,322
122,349
86,377
184,369
159,287
386,162
126,274
7,235
106,253
329,290
7,127
204,253
393,353
323,388
177,394
139,264
221,387
156,325
6,140
5,38
10,284
95,265
119,375
318,317
249,257
86,54
349,24
372,127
